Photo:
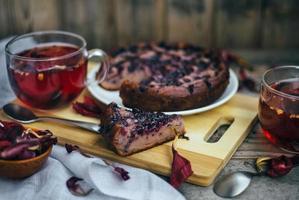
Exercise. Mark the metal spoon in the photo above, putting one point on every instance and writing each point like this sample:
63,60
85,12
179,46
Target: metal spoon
24,115
233,184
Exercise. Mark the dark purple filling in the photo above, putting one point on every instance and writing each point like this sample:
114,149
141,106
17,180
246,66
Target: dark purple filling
171,69
188,49
208,83
145,122
150,121
191,88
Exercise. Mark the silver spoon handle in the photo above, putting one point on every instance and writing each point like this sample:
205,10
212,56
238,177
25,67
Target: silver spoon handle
85,125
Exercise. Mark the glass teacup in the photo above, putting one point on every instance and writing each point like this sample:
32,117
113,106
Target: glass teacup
279,107
48,69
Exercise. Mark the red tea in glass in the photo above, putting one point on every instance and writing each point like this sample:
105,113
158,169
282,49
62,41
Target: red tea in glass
48,69
46,84
279,107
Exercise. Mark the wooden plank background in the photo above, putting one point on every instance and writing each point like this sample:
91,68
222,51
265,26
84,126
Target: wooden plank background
241,24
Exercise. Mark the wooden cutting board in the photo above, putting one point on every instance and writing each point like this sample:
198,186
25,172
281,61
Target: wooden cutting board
207,159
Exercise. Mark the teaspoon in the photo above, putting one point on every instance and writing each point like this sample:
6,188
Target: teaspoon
233,184
26,116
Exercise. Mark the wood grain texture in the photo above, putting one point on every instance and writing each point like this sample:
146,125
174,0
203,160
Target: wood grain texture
18,16
244,24
190,21
139,21
280,28
44,15
237,23
92,19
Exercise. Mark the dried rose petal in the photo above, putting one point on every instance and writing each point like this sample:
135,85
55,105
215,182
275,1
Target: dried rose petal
276,167
249,84
10,130
233,58
78,186
122,173
13,151
26,154
27,140
70,148
48,142
88,107
181,169
90,101
45,142
20,143
246,81
2,135
42,133
4,144
280,166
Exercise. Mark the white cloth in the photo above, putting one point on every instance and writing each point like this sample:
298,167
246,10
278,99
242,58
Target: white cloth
50,181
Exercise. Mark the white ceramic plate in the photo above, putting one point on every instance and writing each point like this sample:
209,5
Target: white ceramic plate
107,96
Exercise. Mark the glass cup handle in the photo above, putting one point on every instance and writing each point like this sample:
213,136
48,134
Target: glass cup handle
102,60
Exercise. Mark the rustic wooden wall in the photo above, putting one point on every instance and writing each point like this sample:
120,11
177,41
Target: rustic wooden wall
241,24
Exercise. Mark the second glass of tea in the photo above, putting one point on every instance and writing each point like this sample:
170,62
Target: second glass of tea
279,107
48,69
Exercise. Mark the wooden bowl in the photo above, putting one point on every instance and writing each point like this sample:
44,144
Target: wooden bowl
17,169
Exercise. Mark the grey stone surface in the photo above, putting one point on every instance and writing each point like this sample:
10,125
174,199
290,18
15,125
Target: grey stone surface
260,188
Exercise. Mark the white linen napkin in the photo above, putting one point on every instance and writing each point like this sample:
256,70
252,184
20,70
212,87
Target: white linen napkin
50,182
